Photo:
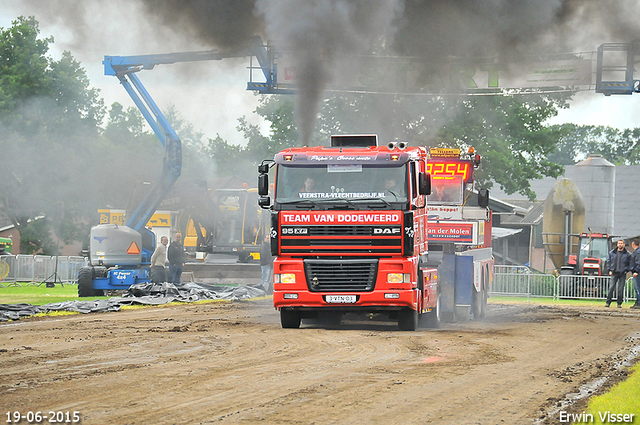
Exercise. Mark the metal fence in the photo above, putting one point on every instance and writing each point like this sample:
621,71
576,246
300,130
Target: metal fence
36,269
520,281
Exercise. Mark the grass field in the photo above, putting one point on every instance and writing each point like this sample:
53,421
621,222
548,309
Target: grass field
621,400
551,301
40,295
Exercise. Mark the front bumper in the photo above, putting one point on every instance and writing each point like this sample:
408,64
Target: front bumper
347,301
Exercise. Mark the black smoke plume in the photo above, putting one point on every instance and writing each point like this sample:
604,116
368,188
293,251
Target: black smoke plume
321,32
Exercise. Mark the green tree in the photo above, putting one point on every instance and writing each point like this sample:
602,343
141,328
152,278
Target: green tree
619,146
125,125
24,69
227,158
241,160
279,111
190,137
36,238
509,132
48,118
195,163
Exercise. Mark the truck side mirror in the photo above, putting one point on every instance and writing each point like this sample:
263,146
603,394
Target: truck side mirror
263,168
263,184
483,198
264,202
424,184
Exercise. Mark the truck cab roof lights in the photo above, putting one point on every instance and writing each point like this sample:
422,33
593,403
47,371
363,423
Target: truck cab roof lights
444,153
320,157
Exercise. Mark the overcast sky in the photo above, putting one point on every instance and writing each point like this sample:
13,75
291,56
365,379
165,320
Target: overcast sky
211,95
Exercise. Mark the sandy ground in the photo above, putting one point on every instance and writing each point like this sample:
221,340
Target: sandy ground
232,363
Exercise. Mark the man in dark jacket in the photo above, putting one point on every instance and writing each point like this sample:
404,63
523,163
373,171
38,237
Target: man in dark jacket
635,244
619,263
175,255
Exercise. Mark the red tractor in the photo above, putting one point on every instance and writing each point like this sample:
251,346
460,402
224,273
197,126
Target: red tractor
591,259
585,272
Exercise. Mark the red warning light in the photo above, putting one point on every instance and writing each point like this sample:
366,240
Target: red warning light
133,249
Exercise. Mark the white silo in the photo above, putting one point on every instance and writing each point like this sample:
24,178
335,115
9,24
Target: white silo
595,178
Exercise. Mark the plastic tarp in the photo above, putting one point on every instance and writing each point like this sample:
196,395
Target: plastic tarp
142,293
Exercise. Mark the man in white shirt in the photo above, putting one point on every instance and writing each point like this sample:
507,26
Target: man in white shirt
158,259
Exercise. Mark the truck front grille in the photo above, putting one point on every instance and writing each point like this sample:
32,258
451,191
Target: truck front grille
330,240
332,275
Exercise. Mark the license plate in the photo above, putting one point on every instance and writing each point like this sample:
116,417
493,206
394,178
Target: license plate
341,299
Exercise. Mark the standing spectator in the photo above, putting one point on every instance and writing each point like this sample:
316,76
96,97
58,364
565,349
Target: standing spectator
620,262
175,254
635,244
266,264
158,259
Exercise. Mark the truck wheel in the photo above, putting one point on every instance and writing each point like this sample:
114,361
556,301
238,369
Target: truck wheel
85,282
289,319
462,313
476,308
479,304
408,319
432,318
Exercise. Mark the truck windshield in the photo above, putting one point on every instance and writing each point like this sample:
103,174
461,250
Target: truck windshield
594,247
446,190
344,182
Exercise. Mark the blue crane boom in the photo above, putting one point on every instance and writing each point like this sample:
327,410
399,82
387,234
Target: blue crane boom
125,69
120,255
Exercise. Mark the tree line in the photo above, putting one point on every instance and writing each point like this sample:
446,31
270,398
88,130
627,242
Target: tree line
65,154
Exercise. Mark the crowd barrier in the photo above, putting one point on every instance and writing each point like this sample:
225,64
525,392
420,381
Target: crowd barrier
521,281
517,281
36,269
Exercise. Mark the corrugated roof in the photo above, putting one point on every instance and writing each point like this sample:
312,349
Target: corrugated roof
502,232
533,214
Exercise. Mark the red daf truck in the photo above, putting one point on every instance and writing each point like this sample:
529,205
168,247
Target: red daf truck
349,232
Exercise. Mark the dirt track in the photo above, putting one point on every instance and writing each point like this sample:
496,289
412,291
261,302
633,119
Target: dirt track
232,363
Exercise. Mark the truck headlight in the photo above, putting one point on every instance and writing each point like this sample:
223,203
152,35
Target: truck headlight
284,278
398,277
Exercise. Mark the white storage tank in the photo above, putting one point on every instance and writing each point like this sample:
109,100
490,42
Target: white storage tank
595,177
